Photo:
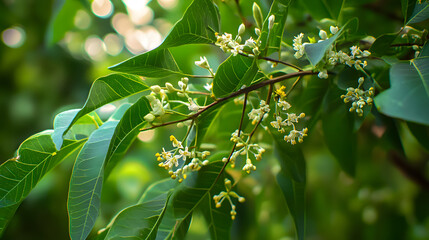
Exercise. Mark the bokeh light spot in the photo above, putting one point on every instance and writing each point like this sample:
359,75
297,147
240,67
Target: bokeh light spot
13,37
102,8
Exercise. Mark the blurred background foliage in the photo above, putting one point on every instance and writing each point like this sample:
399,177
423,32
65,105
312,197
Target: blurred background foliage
51,51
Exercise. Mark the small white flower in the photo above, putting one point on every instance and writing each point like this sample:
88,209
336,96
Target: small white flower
193,106
323,74
203,63
208,87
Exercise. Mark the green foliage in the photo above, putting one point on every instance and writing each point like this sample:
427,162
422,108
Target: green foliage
245,125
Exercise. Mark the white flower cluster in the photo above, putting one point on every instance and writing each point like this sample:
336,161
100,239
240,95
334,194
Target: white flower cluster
358,97
250,150
161,104
291,119
332,57
230,45
177,169
228,194
259,113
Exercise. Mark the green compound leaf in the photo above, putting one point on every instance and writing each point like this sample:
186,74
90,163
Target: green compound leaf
408,96
126,132
87,180
157,63
316,51
197,26
271,39
109,89
420,13
338,128
140,221
187,197
233,73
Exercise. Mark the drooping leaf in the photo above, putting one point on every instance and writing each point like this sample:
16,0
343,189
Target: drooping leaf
140,221
294,193
407,8
87,180
420,13
157,63
109,89
338,130
316,51
233,73
126,132
273,38
408,96
421,133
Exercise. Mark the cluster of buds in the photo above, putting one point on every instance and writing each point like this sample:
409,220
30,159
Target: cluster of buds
176,164
158,104
250,150
259,113
291,119
204,63
414,36
228,194
332,57
230,45
358,97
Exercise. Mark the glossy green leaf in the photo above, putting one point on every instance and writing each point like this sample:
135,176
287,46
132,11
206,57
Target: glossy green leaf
420,13
294,193
291,159
109,89
218,219
35,158
338,130
381,46
425,50
316,51
407,8
140,221
198,25
87,180
271,39
421,133
408,95
126,132
324,8
233,73
205,121
157,63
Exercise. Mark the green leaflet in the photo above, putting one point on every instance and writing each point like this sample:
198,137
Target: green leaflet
197,25
338,129
140,221
408,96
37,156
419,14
87,180
62,20
157,63
316,51
320,9
233,73
109,89
271,39
381,46
126,131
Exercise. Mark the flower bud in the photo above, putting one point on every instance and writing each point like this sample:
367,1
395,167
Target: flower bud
257,15
241,29
151,98
333,29
170,87
258,31
155,89
323,35
149,117
271,22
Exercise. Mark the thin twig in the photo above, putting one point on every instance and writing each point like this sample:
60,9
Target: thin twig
235,94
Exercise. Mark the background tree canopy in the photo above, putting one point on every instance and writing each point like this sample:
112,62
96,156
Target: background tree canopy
322,105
